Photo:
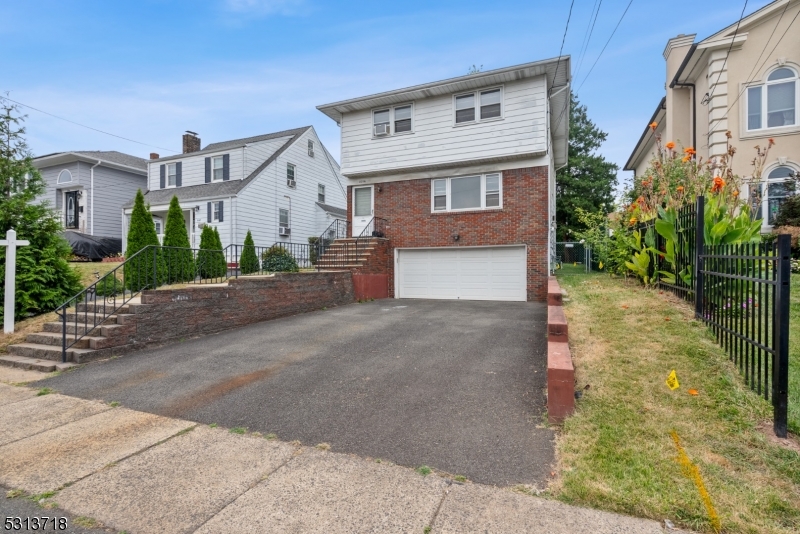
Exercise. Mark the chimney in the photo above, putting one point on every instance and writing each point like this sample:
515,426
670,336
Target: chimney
153,155
191,143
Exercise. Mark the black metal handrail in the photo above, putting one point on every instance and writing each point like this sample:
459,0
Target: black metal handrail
376,227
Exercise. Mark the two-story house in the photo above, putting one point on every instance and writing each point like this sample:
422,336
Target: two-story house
88,188
283,187
744,79
463,173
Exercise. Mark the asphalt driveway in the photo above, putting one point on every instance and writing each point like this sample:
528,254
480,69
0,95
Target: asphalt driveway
455,385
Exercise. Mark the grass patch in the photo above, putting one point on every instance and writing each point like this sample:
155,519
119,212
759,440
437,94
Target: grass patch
87,270
323,446
13,494
113,404
617,453
44,391
86,522
213,425
238,430
460,478
271,436
424,470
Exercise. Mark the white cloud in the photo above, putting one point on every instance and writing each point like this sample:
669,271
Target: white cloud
267,7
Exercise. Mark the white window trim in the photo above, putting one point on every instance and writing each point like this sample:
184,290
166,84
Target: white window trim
288,217
322,187
391,109
311,148
213,159
765,188
294,175
763,83
58,179
215,211
448,194
166,176
477,95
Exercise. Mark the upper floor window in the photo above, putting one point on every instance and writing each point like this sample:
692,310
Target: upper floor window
172,174
217,168
393,120
467,193
479,106
773,104
290,175
321,193
64,177
311,148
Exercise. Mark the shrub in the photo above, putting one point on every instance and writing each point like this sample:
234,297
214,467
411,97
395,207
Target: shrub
278,259
142,233
789,214
210,260
248,263
179,260
312,256
108,286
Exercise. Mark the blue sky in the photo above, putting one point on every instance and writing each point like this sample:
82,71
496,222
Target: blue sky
150,69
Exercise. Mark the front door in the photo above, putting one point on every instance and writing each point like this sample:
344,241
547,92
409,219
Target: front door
362,208
71,211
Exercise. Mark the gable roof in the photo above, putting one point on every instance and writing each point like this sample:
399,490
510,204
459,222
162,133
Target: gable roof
647,135
157,197
237,143
753,19
333,210
111,158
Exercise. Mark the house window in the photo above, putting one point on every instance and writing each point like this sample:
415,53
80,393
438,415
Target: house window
467,193
392,121
158,226
380,122
217,214
283,217
773,104
311,148
402,119
321,193
780,186
172,174
490,102
290,175
217,168
64,177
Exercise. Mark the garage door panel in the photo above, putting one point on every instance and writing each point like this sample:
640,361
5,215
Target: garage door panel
481,273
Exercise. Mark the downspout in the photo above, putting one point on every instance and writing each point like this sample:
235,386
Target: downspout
91,198
676,83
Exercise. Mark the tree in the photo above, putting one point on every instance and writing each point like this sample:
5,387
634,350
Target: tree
139,269
177,251
45,279
588,180
248,263
210,259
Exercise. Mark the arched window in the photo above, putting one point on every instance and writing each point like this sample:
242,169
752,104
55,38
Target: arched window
64,177
773,104
780,186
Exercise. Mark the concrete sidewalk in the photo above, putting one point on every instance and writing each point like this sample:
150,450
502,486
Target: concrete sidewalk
137,472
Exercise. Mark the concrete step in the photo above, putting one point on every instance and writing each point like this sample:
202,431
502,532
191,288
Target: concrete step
100,307
48,352
54,339
89,318
33,364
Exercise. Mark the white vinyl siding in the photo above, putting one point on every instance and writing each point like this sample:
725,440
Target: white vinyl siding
435,140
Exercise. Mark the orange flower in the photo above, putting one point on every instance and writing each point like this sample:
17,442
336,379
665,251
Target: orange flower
654,125
735,194
633,221
717,185
689,151
771,141
686,158
670,145
679,189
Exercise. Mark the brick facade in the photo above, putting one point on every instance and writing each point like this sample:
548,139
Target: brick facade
406,205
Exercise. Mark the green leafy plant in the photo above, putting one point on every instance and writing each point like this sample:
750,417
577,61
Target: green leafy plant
313,242
248,263
178,255
139,270
278,259
210,259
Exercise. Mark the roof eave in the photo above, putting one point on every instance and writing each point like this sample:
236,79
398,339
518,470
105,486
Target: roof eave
65,157
660,109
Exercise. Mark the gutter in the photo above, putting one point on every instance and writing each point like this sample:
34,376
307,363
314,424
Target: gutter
91,192
675,83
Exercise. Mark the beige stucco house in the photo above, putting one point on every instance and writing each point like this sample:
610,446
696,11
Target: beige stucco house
741,79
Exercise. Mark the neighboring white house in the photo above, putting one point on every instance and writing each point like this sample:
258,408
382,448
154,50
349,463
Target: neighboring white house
283,187
89,188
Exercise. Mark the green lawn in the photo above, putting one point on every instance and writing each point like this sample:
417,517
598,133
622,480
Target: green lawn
794,356
617,452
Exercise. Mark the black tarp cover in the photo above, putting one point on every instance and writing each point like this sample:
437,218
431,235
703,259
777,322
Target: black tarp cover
94,247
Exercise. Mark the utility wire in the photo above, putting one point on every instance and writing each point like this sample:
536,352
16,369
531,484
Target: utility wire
550,92
604,47
707,98
744,88
89,127
585,47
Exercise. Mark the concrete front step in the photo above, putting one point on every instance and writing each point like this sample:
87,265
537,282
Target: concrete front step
90,319
33,364
48,352
55,339
99,307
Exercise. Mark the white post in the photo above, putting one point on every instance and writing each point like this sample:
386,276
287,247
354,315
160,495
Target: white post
11,244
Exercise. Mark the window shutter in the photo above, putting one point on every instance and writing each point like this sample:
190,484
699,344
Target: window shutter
163,171
226,167
208,175
59,200
209,208
221,211
178,172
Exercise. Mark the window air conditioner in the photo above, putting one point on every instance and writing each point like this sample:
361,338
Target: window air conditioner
381,129
284,230
291,183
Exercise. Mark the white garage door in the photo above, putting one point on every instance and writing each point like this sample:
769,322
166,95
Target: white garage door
481,273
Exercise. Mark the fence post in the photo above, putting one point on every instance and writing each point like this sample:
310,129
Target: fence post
699,250
155,268
780,367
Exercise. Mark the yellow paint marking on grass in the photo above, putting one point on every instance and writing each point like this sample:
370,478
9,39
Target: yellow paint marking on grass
693,472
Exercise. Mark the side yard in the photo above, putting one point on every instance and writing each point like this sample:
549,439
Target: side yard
618,451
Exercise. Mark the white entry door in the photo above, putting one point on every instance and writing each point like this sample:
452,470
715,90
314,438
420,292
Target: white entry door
479,273
362,208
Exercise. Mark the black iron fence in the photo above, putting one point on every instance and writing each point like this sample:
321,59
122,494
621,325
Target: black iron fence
741,292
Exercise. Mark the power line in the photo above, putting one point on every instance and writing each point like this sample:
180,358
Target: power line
564,38
749,80
707,98
585,46
89,127
604,47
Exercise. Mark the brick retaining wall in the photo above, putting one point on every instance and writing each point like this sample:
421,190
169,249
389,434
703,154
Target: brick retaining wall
560,371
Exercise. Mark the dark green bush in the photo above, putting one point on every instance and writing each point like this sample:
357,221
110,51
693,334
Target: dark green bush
210,259
278,260
248,263
789,214
313,241
109,286
139,270
179,259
